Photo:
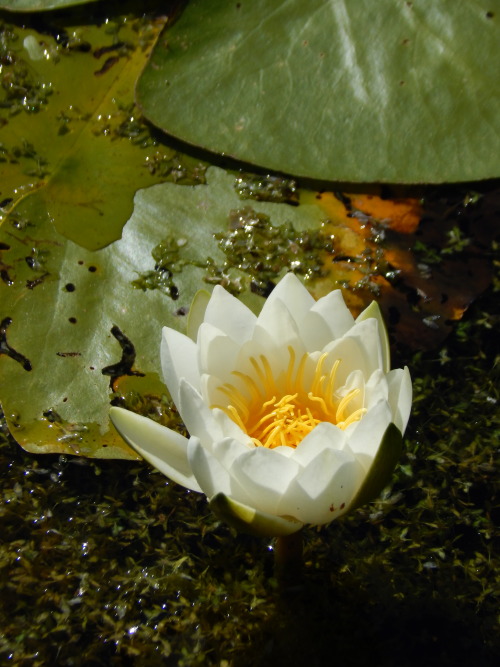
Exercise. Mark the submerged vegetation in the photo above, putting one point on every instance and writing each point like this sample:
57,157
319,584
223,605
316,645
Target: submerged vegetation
106,562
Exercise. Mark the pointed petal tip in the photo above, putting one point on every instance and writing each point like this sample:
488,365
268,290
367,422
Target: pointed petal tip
373,311
163,448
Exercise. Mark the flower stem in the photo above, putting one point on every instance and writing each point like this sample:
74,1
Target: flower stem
288,560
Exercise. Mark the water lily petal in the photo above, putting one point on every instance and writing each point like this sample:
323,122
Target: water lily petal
265,476
351,354
400,395
165,449
197,416
230,315
250,520
211,476
373,311
331,311
366,435
354,381
279,323
358,349
226,451
293,295
262,344
324,436
216,351
366,332
229,429
179,359
376,389
323,490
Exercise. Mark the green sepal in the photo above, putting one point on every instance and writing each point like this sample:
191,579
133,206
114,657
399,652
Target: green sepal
382,467
249,520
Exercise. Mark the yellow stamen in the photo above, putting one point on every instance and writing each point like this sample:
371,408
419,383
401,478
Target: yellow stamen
291,364
318,378
236,397
274,421
299,378
318,399
250,384
339,416
353,417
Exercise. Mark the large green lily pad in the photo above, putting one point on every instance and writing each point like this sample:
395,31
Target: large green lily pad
355,91
39,5
64,310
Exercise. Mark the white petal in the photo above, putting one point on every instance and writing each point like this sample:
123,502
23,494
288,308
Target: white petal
324,436
229,314
359,349
324,489
292,293
373,311
197,416
210,474
278,322
216,352
332,311
163,448
226,451
352,357
179,359
400,395
354,381
265,476
277,355
366,332
229,429
366,435
376,389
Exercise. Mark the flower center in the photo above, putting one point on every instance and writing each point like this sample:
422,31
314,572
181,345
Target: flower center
281,413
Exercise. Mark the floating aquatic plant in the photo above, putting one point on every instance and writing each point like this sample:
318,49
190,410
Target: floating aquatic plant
295,416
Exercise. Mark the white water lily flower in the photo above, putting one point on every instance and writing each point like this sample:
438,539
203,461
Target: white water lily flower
295,416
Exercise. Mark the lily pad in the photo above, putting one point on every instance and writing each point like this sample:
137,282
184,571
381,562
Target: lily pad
40,5
76,152
403,92
76,334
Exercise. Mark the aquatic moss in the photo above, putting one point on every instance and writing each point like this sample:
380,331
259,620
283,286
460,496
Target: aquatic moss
107,562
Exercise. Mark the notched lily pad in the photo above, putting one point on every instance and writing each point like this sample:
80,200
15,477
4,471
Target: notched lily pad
90,334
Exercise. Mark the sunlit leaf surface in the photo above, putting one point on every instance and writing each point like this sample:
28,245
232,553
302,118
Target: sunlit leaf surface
39,5
81,329
72,144
355,91
65,310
